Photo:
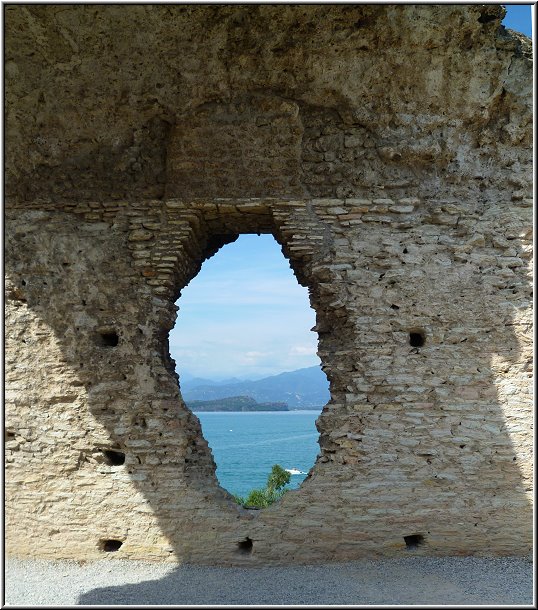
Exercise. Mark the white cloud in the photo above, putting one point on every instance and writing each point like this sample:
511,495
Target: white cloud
303,350
253,357
244,315
245,290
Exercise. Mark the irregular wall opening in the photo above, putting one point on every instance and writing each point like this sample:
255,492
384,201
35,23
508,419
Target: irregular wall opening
248,366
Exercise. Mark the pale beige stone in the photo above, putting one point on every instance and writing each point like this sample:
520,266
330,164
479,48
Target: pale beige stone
381,154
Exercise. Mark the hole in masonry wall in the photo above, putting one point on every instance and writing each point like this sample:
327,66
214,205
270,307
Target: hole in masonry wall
413,541
485,18
245,546
139,421
109,545
108,339
417,338
245,345
113,457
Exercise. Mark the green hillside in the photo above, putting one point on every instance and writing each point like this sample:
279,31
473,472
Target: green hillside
235,403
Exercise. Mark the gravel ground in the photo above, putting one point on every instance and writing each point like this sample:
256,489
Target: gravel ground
412,580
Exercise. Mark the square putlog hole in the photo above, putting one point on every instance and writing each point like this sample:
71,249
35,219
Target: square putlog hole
245,546
413,541
113,457
109,545
417,338
107,338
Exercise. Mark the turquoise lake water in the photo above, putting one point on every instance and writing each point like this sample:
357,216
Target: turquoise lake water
246,445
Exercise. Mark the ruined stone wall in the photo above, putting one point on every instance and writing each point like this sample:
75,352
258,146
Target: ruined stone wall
401,195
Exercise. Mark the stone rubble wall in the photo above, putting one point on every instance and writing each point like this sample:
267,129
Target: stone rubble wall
434,441
388,148
104,103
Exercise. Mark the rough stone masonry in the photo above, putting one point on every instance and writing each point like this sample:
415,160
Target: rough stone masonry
388,148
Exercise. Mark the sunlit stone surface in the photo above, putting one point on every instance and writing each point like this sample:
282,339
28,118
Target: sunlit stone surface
388,149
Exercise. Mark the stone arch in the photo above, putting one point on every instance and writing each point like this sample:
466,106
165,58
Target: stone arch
195,232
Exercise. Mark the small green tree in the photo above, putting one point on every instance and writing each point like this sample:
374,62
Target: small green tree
274,490
278,478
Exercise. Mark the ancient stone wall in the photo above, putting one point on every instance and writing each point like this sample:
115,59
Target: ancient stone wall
399,187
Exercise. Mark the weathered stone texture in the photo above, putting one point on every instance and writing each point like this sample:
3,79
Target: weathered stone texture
387,148
226,150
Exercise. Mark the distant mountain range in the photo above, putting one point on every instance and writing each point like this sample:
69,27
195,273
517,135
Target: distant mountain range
301,389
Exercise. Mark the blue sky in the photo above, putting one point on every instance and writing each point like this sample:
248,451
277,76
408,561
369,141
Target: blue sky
245,315
518,17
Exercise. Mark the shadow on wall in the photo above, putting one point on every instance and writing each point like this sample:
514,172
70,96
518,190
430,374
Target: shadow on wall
112,336
87,323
